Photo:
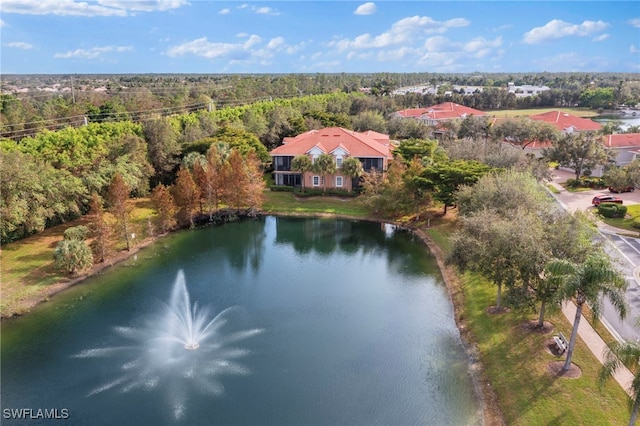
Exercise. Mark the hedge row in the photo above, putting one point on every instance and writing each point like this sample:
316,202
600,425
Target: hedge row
612,210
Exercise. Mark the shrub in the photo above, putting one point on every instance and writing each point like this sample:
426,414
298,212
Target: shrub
612,210
73,256
314,192
280,188
79,232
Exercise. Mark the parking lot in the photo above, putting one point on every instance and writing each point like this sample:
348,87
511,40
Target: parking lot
581,200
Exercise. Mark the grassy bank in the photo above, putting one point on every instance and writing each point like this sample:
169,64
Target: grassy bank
514,359
515,362
28,274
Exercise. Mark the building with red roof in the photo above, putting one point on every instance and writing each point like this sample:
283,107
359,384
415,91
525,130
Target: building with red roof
567,123
373,149
438,113
626,145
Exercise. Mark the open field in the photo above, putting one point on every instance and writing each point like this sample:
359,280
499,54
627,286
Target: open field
578,112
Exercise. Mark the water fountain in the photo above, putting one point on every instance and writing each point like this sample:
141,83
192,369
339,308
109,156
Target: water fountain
183,348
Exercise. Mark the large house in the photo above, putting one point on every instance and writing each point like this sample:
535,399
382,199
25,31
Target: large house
373,149
437,113
626,146
567,123
526,90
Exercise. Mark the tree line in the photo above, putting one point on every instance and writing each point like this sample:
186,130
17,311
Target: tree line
136,97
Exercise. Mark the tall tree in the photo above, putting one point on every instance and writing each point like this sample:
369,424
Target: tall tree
163,147
236,180
165,208
588,283
120,208
352,168
505,251
301,164
446,177
324,165
186,195
581,152
255,182
100,229
618,355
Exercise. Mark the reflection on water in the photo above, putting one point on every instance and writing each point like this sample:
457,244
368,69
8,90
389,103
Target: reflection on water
358,330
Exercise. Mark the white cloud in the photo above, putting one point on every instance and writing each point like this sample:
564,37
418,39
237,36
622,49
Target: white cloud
403,32
2,24
481,48
225,11
264,10
85,8
240,51
556,29
633,49
634,22
368,8
275,43
92,53
20,45
601,37
144,5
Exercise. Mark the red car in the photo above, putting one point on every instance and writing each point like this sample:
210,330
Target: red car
629,188
604,198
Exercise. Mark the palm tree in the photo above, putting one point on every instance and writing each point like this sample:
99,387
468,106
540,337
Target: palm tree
301,164
619,354
352,167
586,283
324,165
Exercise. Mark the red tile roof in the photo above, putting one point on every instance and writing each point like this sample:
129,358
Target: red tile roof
444,111
412,112
366,144
622,140
562,121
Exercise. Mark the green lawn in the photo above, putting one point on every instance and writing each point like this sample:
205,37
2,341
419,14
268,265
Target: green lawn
511,113
288,203
515,361
633,212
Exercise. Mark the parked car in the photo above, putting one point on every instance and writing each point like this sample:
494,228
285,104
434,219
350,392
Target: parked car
604,198
629,188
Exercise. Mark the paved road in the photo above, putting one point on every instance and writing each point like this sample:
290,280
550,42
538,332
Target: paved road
624,249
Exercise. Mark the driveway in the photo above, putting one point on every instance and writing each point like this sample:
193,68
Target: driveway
621,246
574,201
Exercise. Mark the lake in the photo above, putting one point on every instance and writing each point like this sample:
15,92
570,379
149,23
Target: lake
319,322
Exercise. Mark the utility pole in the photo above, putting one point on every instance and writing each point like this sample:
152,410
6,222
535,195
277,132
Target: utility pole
73,95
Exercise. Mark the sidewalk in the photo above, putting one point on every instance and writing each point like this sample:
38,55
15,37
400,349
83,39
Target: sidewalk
597,345
592,339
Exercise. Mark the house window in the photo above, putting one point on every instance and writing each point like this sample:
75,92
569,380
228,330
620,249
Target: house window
316,180
339,162
338,181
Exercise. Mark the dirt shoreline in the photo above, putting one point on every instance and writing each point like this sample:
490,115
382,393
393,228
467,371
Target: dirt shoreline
491,413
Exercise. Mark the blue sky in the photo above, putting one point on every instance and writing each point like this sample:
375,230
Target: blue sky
200,36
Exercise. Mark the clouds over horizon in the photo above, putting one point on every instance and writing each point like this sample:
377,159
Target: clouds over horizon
92,53
557,29
251,49
83,8
20,45
291,36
